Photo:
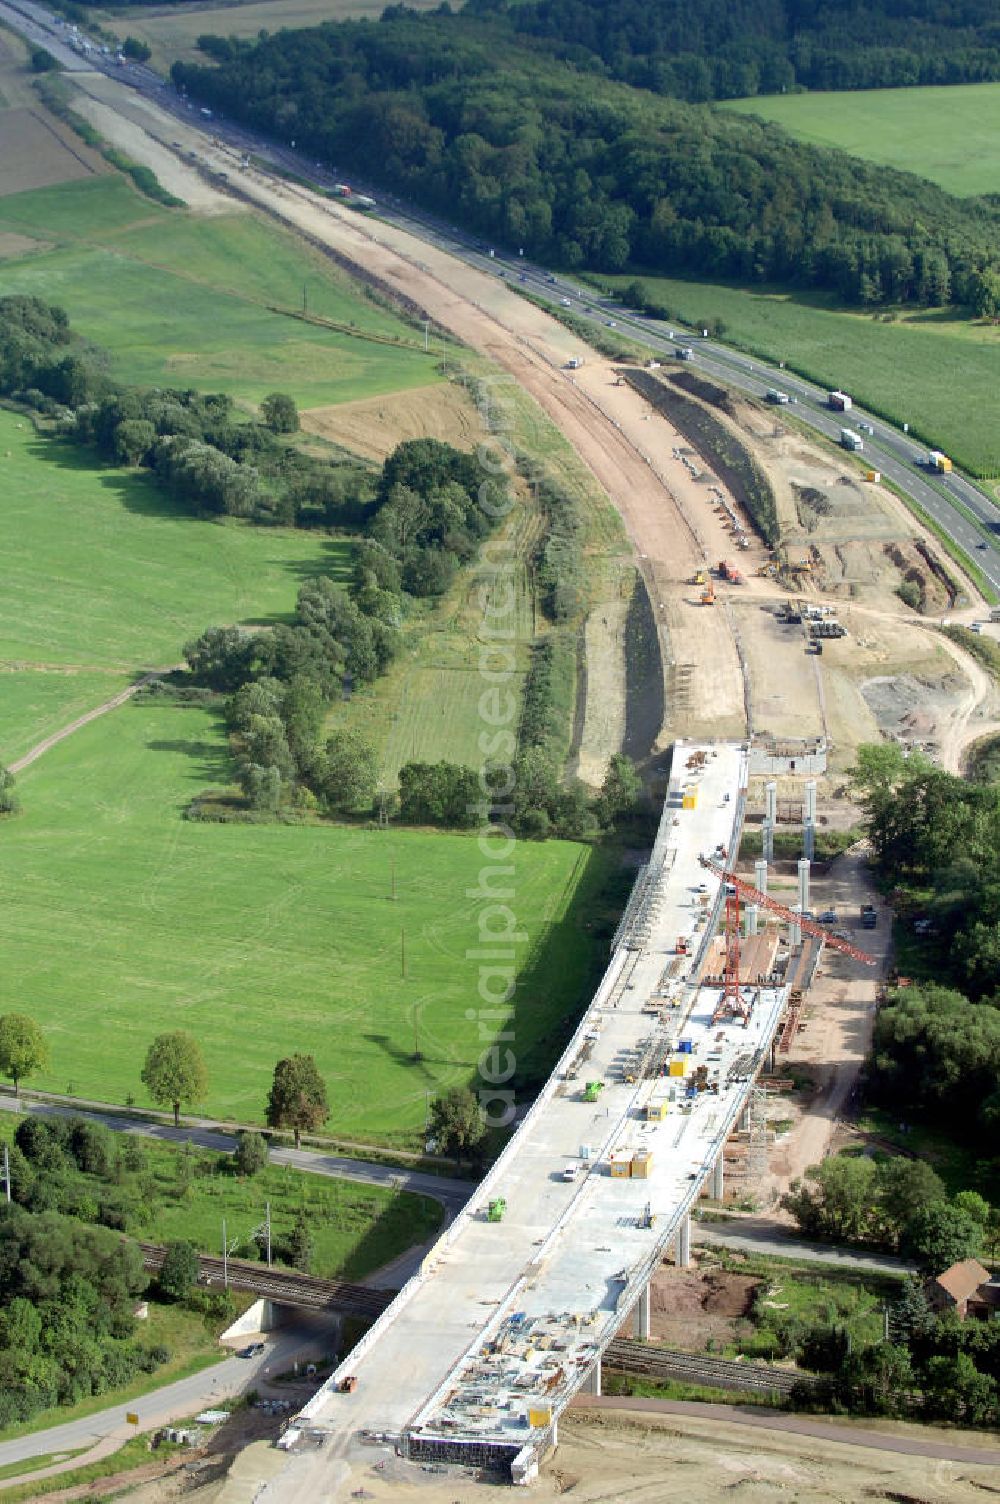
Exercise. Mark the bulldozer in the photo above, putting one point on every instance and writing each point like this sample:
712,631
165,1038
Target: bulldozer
700,578
708,595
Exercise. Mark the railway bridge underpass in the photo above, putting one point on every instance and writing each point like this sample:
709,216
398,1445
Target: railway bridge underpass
516,1305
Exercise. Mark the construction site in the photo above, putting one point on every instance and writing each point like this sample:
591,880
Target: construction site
515,1306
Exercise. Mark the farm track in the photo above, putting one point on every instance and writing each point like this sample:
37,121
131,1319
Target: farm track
83,720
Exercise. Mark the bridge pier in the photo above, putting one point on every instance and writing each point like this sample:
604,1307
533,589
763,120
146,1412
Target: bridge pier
641,1314
682,1243
593,1380
718,1179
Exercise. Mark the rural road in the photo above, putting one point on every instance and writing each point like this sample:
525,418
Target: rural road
107,1430
83,720
758,1235
452,1194
847,1433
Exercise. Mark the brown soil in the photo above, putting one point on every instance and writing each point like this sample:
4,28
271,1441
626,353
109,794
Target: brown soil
373,427
690,1308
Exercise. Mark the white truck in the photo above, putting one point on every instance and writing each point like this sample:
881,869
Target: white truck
851,440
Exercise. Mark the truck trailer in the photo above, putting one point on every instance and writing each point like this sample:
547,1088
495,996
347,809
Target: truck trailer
939,462
840,402
851,440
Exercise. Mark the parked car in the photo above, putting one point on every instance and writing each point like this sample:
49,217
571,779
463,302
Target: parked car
828,916
253,1351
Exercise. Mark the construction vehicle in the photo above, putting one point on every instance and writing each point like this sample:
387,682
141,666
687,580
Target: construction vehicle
699,578
939,462
729,572
496,1209
733,1001
708,595
592,1090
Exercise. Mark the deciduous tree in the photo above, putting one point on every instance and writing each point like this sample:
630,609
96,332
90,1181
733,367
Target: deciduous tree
298,1097
174,1072
23,1050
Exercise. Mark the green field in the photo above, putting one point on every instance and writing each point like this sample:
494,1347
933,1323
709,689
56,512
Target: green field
35,703
172,31
189,300
950,134
426,708
121,920
930,369
102,570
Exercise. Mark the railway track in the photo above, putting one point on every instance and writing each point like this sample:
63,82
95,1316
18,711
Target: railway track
282,1285
646,1361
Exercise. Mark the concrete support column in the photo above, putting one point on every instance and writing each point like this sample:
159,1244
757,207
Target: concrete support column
795,928
767,840
744,1122
760,874
682,1243
809,823
751,912
718,1179
593,1380
810,801
641,1317
770,802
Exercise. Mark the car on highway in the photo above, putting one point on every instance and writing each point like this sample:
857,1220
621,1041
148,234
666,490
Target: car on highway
253,1351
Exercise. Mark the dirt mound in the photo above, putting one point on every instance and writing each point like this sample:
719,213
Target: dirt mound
374,426
691,1307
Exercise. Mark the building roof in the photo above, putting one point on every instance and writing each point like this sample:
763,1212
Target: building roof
962,1280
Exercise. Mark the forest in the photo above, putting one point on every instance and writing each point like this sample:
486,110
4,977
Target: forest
936,845
546,154
698,50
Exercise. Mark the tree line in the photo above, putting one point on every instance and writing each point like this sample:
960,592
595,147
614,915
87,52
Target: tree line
935,843
699,50
481,122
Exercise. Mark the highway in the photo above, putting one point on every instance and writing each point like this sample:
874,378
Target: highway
954,503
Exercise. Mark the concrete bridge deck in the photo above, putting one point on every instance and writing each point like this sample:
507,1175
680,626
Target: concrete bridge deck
482,1350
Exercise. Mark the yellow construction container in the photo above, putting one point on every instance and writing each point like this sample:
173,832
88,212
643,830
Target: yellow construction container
874,476
539,1419
689,799
642,1164
656,1111
678,1067
621,1167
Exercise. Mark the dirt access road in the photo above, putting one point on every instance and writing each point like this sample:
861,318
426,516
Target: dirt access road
610,427
83,720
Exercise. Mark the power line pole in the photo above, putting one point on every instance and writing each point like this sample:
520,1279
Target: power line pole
267,1225
6,1171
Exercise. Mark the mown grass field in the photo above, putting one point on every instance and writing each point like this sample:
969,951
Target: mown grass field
35,703
190,300
949,134
102,570
426,708
930,369
122,920
172,31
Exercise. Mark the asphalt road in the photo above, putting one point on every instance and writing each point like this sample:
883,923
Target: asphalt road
752,1235
968,517
180,1400
452,1194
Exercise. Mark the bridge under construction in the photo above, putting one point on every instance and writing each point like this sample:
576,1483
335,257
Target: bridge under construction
518,1301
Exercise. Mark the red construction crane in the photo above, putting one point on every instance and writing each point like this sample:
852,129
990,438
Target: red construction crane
731,1000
